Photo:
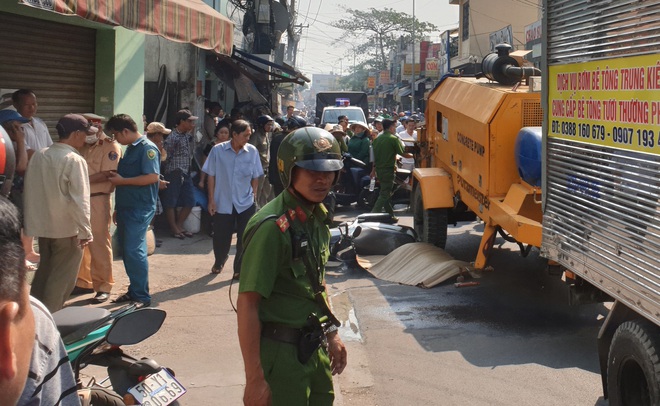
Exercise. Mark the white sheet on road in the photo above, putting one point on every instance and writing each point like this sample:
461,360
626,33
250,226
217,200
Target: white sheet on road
416,264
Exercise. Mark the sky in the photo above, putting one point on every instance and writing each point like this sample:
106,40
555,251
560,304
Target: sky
319,51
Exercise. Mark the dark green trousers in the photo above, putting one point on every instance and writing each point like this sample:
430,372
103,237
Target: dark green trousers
294,384
384,201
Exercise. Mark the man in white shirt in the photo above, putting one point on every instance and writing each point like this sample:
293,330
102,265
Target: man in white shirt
58,175
36,137
408,137
36,133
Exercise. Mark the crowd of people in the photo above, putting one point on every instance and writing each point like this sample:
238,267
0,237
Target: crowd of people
237,167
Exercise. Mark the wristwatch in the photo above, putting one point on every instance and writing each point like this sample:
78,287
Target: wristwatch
331,329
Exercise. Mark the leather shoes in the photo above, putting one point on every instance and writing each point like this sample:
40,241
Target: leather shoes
123,298
127,298
81,291
101,297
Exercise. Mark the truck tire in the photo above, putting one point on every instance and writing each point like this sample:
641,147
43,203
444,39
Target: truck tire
633,367
431,224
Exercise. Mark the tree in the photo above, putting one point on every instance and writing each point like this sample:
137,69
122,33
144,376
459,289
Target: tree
379,31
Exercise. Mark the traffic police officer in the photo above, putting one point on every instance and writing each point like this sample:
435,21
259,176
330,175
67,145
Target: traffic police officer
136,180
286,248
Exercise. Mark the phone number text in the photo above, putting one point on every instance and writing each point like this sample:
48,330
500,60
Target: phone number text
619,135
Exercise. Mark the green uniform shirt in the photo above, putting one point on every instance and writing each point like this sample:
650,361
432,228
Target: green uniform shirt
269,269
386,147
358,147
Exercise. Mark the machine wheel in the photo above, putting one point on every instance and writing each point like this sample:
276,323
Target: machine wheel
104,397
367,199
633,365
431,224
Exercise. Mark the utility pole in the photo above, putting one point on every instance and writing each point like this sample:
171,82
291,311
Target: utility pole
412,83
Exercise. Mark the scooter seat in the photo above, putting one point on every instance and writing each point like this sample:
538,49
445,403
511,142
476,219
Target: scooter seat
75,318
375,218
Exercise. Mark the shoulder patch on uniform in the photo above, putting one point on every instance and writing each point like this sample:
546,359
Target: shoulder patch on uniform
113,155
301,214
151,154
283,223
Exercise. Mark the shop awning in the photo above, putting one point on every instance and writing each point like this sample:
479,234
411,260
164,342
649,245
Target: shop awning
188,21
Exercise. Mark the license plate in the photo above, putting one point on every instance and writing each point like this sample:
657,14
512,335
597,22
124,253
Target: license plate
159,389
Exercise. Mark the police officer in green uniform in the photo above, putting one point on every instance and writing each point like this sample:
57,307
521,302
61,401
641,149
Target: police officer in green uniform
386,147
136,179
289,355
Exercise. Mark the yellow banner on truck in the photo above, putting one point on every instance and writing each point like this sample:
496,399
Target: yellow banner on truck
611,102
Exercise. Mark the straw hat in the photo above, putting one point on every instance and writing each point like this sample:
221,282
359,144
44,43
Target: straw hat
334,129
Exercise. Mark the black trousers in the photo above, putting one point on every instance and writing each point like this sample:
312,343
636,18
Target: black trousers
223,229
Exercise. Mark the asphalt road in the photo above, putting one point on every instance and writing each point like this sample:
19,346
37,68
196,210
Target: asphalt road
512,340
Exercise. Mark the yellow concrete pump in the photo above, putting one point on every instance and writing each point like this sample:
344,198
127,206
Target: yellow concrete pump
484,138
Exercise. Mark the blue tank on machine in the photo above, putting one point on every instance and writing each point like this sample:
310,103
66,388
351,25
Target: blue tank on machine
528,152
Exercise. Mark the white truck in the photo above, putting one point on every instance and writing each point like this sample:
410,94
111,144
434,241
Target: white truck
584,188
601,177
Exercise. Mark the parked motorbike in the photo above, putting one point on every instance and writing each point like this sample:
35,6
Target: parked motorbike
94,336
368,234
354,178
401,192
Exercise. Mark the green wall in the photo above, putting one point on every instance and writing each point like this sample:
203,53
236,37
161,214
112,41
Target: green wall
120,73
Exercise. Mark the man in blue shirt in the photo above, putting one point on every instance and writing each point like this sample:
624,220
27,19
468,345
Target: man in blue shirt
136,180
233,168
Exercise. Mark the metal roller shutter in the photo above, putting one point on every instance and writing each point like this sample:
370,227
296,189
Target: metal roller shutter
57,61
602,212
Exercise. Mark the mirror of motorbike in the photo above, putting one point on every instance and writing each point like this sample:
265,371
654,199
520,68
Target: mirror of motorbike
136,326
356,232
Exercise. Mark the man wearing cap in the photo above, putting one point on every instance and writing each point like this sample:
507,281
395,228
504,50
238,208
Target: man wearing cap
260,138
338,132
378,124
58,175
12,122
102,155
176,170
136,180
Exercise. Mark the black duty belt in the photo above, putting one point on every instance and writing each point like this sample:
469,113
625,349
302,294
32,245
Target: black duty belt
281,333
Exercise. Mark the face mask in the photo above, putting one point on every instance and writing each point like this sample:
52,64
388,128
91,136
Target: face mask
91,139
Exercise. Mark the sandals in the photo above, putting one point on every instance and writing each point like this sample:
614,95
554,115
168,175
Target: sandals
187,233
216,269
180,236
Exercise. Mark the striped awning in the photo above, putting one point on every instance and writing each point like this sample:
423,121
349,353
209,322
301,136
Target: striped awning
188,21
